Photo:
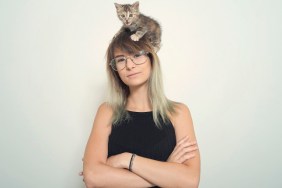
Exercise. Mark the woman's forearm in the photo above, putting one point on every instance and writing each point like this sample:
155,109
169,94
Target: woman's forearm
166,174
103,175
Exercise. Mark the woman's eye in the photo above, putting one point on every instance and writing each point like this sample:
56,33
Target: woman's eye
137,55
119,60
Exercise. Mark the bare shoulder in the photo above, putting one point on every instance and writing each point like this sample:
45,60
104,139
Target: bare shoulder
181,109
97,145
105,108
182,121
104,113
183,126
102,124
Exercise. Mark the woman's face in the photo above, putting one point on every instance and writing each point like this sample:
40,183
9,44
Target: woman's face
132,74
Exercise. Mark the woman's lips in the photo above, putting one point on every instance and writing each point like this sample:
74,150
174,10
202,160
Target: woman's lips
132,75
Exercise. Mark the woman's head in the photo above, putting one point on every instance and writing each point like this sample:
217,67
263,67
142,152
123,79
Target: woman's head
134,57
133,69
126,57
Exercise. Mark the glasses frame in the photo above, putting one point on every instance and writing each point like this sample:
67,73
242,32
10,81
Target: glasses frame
128,57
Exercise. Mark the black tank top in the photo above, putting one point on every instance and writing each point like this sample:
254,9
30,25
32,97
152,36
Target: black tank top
140,135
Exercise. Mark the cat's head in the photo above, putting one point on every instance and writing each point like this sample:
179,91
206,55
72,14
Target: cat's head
128,13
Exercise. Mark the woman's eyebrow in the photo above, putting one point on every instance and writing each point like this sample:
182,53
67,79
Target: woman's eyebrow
119,56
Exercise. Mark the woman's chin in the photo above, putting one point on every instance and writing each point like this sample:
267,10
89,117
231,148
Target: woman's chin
136,83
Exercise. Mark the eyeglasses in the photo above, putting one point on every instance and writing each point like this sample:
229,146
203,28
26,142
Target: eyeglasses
118,63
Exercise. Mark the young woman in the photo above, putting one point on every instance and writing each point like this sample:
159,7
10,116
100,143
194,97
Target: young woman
139,137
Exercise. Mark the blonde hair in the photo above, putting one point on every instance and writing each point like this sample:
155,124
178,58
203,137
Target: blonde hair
119,92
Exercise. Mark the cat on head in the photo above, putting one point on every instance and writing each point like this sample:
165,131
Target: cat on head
139,24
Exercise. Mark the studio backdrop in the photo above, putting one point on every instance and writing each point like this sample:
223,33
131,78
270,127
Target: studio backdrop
222,58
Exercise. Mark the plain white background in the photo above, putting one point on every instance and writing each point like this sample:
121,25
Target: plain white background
221,58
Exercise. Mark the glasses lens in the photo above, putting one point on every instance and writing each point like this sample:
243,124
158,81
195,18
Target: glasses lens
113,64
120,62
140,57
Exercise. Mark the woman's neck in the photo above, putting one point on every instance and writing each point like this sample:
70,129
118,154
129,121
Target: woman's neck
138,99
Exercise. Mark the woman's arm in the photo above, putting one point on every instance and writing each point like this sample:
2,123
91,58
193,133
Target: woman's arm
167,174
148,172
106,176
95,171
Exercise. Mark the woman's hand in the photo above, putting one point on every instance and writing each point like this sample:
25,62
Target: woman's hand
184,150
81,173
120,160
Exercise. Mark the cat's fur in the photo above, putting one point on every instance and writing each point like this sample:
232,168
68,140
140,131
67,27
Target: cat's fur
136,22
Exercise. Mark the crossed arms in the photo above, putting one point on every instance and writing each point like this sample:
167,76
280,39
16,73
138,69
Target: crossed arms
182,169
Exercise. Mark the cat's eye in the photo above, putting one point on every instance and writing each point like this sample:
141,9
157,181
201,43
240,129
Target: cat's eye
123,15
130,15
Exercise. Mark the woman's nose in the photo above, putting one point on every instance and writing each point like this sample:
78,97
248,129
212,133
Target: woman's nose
129,63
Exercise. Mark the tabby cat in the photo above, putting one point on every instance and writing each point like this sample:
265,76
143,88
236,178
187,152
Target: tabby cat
136,22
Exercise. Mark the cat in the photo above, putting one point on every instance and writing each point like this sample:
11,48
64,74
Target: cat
136,22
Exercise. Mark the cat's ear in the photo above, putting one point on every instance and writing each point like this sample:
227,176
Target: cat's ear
118,6
135,5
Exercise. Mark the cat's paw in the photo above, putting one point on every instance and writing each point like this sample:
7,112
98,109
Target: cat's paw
156,49
134,37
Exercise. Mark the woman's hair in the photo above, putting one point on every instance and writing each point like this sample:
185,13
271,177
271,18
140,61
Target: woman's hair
119,92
